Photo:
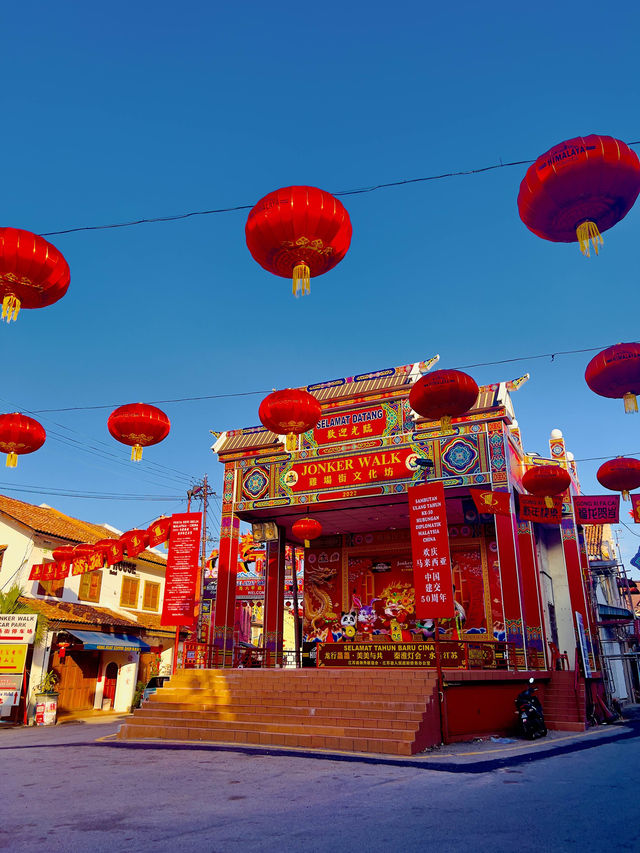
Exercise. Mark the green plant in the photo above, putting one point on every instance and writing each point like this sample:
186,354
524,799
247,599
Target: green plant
48,682
137,696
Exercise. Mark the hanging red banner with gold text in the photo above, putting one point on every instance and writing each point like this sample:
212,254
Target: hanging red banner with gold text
597,509
534,508
495,503
432,578
635,508
182,569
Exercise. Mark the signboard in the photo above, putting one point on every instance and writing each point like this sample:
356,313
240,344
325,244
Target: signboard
350,426
10,682
12,658
596,509
312,475
182,569
8,700
452,654
432,579
18,627
532,508
583,645
635,508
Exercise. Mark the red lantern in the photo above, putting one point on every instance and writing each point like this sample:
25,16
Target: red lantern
307,529
62,650
298,232
443,394
546,481
104,549
621,474
290,412
578,189
615,372
83,551
33,273
134,541
63,553
159,531
19,435
138,425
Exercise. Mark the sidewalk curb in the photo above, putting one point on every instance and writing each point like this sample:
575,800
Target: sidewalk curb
535,752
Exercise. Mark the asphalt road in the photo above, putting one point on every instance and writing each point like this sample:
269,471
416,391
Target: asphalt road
62,792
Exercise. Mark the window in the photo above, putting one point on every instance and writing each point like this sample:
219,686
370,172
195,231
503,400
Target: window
52,588
90,586
3,548
129,592
151,597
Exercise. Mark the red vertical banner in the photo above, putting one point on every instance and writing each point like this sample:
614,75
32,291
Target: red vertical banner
432,579
182,569
635,507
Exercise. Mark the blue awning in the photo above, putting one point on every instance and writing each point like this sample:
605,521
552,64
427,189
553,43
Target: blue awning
110,642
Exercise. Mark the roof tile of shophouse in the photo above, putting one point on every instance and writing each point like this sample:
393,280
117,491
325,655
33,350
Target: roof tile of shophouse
66,611
52,522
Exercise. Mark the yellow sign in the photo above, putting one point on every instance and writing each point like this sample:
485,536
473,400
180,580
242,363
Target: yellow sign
12,658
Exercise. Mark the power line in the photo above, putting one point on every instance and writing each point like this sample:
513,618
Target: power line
358,191
55,492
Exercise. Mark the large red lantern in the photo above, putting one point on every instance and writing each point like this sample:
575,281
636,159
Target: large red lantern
289,412
63,553
19,435
579,189
159,531
442,395
621,474
298,232
33,273
546,481
306,529
138,425
134,541
105,549
82,555
615,372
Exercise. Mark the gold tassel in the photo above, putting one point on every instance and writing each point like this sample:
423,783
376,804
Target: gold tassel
548,502
307,544
301,279
587,232
445,424
10,307
12,460
630,402
291,442
136,453
625,495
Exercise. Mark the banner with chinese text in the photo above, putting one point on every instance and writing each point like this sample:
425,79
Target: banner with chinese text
635,508
182,569
432,577
597,509
533,508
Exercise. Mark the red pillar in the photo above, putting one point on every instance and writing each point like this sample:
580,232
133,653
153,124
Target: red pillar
535,630
274,600
224,617
512,597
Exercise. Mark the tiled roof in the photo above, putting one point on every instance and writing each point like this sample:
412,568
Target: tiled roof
52,522
151,623
66,611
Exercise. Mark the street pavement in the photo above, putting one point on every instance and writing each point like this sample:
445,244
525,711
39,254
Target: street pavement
75,788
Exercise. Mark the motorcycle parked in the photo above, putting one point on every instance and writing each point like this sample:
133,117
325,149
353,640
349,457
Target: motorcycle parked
530,712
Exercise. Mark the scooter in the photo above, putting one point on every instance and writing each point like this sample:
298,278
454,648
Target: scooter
530,711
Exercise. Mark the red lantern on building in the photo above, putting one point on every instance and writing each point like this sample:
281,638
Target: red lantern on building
134,541
615,372
298,232
138,425
306,529
579,189
33,273
63,553
546,481
104,548
19,435
290,412
621,474
442,395
159,531
62,650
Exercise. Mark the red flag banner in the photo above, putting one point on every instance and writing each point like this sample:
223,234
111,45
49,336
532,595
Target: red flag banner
48,571
635,508
182,569
114,553
496,503
532,508
79,566
159,531
36,572
62,569
432,579
597,509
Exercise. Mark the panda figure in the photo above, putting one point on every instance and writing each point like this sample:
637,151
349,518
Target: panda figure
348,623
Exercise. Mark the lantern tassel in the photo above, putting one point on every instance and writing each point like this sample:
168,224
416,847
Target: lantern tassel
630,402
307,543
301,279
291,442
587,232
136,453
12,460
445,424
625,495
10,307
548,502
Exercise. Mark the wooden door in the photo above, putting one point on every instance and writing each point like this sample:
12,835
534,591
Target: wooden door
110,680
77,686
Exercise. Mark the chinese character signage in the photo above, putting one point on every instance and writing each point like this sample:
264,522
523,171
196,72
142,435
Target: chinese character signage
597,509
182,569
635,508
349,471
533,508
12,658
430,549
390,654
18,627
351,426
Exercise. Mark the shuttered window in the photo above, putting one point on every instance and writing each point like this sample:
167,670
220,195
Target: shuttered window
151,596
129,592
90,586
53,588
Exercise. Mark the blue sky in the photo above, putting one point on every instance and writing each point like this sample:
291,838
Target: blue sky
146,109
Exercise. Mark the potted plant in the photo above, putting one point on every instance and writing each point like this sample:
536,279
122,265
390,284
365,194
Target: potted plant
47,699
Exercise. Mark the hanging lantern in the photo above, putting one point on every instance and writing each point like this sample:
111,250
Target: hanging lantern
134,541
159,531
545,481
63,553
579,189
138,425
105,550
19,435
306,529
83,555
290,412
298,233
33,273
442,395
621,474
615,372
